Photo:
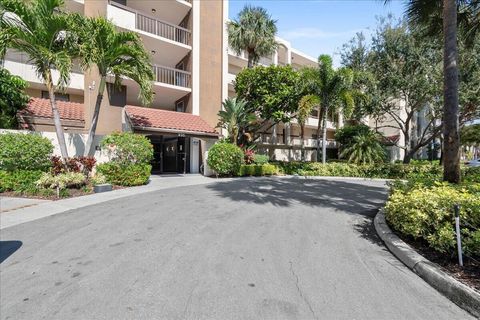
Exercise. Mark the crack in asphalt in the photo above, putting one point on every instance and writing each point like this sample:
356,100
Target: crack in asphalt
300,291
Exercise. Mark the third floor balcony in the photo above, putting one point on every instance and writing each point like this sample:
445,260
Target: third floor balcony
132,19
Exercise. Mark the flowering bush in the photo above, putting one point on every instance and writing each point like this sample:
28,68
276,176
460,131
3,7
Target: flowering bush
225,158
77,164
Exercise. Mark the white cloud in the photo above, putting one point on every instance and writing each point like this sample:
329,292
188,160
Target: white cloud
315,33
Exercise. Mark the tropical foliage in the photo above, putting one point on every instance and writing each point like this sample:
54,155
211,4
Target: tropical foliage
235,119
41,30
13,99
305,107
24,152
120,54
225,158
271,93
253,32
365,148
333,88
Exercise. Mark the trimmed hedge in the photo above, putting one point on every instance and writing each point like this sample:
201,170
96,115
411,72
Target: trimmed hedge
20,181
426,212
20,151
225,158
257,170
125,174
382,170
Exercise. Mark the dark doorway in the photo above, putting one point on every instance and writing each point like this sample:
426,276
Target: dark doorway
170,154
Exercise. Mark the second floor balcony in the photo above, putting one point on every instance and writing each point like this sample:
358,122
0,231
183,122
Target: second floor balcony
171,76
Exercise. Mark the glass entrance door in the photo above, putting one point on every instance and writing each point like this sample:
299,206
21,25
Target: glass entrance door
170,154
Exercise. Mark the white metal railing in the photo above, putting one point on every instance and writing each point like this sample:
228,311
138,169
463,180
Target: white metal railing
172,76
295,141
157,27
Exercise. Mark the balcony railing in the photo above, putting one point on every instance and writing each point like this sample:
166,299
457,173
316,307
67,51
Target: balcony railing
172,76
157,27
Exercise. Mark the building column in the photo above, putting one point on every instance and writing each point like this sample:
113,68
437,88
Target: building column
275,57
340,120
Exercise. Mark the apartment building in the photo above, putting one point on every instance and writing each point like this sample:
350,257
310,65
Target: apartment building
194,72
283,140
186,42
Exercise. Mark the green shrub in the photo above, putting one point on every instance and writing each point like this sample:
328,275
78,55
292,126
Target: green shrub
20,151
257,170
125,175
471,174
426,212
99,178
225,158
128,148
20,181
260,159
61,181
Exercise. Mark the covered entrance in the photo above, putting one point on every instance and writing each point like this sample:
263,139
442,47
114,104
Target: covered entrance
178,138
171,154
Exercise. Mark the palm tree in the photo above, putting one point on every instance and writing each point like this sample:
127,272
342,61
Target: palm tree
39,29
234,118
445,16
365,149
334,91
305,107
117,54
253,32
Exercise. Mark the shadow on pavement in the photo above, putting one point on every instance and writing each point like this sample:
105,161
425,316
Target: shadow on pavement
7,248
355,196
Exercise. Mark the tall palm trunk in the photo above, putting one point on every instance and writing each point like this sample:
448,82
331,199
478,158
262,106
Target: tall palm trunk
250,59
302,141
451,142
96,112
324,136
319,129
56,116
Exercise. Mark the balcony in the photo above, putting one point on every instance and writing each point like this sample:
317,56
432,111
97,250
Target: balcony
172,76
19,64
132,19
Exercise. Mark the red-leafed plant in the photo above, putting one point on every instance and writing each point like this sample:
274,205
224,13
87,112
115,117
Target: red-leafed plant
249,155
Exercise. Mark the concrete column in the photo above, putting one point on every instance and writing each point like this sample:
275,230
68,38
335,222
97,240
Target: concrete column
287,133
274,135
340,120
275,57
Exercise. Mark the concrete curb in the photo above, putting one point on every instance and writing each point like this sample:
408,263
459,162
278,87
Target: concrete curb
460,294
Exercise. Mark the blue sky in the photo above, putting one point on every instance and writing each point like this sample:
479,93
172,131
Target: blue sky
321,27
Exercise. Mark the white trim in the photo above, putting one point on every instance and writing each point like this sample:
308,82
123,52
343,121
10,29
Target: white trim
196,57
225,77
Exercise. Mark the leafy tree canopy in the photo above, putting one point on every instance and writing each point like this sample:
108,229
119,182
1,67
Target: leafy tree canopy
12,98
271,92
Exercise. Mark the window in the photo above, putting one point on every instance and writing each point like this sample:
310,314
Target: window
117,95
58,96
180,106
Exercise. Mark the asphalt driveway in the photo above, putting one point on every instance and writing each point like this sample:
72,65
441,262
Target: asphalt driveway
265,248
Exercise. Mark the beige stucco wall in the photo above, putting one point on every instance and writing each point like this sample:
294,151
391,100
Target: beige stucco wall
211,39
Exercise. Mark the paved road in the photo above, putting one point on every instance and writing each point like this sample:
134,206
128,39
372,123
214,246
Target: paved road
278,248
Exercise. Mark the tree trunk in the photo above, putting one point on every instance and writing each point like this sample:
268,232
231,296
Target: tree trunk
451,136
302,141
250,59
324,136
96,112
56,116
319,127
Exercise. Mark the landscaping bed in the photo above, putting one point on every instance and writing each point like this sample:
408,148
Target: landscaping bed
468,275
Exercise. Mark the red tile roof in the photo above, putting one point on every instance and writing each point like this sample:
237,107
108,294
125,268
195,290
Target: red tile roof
171,120
40,108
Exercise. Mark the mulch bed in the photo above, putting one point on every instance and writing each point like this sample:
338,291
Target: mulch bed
468,275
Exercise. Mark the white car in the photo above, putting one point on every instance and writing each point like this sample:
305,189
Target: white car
473,163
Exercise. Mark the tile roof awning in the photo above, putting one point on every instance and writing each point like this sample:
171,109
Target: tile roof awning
40,108
149,119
